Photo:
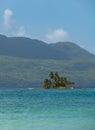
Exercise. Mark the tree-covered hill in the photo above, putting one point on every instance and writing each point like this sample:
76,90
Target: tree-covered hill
26,72
25,62
36,49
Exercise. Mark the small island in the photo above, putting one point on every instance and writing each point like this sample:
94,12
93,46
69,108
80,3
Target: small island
57,82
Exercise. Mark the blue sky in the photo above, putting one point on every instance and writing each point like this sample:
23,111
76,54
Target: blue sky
50,20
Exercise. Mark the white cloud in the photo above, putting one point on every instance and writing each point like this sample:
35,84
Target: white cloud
56,35
8,22
10,28
21,32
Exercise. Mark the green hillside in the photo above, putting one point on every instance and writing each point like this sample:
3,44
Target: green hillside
25,72
26,62
36,49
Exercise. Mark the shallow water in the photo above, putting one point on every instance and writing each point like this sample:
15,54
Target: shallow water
32,109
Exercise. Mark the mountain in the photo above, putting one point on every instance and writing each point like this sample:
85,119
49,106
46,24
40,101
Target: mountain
26,62
36,49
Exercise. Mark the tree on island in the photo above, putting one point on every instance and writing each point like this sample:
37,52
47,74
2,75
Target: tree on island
56,81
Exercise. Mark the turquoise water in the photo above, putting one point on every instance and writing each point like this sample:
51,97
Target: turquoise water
31,109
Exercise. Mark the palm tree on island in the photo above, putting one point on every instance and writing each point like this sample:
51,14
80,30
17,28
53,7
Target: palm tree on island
56,81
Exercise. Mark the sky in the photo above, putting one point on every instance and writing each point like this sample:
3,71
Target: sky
50,20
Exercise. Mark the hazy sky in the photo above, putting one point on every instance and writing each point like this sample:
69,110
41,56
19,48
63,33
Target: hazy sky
50,20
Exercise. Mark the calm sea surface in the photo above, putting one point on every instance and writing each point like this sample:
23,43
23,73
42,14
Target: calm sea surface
31,109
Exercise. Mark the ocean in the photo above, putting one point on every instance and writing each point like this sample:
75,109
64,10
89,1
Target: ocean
38,109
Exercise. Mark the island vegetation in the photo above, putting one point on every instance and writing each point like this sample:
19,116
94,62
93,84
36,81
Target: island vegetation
57,82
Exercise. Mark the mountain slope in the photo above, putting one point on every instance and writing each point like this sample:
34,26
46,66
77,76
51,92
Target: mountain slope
21,72
72,50
24,62
35,49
